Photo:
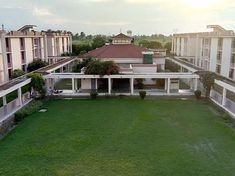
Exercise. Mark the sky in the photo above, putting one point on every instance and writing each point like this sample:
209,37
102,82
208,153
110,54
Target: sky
112,16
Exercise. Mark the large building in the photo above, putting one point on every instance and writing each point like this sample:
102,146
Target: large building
213,51
19,48
123,52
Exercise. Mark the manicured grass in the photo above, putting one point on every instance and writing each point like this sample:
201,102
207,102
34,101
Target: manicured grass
121,137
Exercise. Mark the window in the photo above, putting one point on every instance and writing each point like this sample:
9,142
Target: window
22,56
218,69
9,58
22,43
10,73
220,42
233,43
231,73
7,44
24,68
233,59
219,57
206,41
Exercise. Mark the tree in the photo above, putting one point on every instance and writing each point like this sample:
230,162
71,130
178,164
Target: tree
97,67
150,44
98,42
18,73
37,83
82,35
168,47
79,49
36,64
208,79
80,64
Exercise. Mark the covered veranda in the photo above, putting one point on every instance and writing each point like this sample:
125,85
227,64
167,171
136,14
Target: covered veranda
127,83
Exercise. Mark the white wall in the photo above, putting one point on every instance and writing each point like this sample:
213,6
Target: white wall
42,48
1,69
144,69
16,56
60,46
125,60
85,83
28,50
226,56
178,46
182,47
213,55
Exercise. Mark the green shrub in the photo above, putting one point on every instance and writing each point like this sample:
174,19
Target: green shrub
17,73
198,94
140,84
93,95
28,110
142,94
36,64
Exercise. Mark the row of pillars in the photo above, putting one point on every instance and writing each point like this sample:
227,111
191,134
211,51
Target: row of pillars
193,85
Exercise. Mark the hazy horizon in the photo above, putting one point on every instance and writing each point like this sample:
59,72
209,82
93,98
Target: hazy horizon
109,16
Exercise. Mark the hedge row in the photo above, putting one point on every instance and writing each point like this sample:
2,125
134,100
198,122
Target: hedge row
28,110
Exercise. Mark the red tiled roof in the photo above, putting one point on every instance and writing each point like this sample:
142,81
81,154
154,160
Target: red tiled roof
121,36
117,51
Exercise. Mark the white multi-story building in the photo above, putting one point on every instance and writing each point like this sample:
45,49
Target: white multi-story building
19,48
213,51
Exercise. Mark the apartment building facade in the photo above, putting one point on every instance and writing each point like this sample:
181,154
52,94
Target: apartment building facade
213,51
21,47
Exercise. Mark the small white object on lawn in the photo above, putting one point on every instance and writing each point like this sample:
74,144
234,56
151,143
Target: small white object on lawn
43,110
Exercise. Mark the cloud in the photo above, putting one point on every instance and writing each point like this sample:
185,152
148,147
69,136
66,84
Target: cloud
144,1
100,0
106,23
41,12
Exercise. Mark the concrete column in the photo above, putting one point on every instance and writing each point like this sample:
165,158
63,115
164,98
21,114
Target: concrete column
181,69
4,100
76,84
132,86
195,84
109,86
61,70
224,96
168,85
191,83
4,55
20,96
73,85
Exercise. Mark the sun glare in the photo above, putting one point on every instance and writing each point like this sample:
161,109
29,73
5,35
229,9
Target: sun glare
201,3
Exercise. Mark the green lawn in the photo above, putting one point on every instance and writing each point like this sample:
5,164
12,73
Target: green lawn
121,137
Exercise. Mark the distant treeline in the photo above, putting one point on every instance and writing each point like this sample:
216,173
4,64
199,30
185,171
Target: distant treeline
83,43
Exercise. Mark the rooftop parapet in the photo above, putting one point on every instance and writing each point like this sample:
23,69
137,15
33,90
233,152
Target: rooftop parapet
217,32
